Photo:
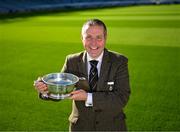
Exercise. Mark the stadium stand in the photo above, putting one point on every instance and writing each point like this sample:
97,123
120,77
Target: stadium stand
26,6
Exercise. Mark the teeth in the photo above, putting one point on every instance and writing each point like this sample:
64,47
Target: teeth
93,48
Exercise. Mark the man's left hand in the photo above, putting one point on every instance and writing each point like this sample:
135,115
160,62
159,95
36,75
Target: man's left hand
80,95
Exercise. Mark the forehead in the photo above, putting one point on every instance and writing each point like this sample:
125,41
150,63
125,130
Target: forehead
94,29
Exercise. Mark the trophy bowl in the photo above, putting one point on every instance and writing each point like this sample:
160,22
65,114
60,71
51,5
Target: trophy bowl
60,85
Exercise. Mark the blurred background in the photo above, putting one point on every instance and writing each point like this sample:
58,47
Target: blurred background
37,35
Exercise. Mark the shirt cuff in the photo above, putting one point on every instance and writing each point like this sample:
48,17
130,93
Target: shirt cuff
89,101
43,96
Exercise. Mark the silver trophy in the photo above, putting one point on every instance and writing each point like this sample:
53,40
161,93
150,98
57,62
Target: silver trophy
60,85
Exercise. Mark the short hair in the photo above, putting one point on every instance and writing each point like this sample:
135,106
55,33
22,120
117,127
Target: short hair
94,22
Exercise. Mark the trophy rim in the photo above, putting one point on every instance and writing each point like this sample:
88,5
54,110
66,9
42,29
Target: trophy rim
76,79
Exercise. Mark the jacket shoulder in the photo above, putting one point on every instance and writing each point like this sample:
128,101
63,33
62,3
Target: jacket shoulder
117,57
75,56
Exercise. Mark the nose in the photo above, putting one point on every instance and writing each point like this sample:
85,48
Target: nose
93,41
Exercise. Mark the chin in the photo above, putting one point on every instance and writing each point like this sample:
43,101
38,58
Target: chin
94,55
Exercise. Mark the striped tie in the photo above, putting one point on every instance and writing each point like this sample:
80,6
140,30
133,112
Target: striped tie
93,75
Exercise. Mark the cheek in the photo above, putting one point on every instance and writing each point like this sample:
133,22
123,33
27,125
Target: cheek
101,44
85,44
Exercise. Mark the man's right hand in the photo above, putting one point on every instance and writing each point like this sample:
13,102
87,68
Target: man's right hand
40,86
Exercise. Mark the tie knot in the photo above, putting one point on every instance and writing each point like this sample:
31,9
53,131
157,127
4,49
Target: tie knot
93,63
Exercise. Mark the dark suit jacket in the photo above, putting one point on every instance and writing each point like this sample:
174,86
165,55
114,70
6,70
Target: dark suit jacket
108,100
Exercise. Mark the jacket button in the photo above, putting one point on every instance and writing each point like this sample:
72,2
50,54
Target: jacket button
97,122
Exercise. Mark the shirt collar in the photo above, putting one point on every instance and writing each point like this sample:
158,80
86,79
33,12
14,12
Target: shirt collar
99,59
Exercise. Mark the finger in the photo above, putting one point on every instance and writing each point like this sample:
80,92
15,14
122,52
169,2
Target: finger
79,97
41,87
76,91
38,84
74,97
37,81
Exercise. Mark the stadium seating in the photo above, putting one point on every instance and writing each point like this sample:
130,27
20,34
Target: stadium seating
25,6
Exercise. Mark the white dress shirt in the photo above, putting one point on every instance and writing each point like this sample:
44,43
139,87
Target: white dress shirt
89,101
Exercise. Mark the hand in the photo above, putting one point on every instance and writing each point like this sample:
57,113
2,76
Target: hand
79,95
40,86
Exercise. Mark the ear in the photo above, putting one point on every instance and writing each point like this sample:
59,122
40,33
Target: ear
105,36
81,37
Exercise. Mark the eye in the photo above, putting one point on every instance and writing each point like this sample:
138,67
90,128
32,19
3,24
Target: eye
88,37
99,38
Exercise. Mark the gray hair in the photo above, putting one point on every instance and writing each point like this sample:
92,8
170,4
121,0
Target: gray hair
94,22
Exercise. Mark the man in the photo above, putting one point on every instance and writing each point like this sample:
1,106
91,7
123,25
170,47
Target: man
100,106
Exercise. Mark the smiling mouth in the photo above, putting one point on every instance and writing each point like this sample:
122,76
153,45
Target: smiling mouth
93,48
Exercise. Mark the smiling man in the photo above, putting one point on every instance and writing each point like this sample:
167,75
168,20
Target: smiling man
94,39
98,107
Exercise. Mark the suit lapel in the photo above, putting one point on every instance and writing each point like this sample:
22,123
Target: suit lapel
82,66
105,66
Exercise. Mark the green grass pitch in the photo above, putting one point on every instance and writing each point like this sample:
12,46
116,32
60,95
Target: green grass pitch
33,46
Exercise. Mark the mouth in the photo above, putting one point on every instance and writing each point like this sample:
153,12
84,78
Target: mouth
93,48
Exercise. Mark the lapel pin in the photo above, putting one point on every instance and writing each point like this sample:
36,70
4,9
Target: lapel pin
110,85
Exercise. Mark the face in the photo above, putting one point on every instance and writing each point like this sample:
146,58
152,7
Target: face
93,39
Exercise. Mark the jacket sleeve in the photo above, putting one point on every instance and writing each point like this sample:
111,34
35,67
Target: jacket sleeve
65,66
69,65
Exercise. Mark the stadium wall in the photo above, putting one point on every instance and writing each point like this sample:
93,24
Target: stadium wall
29,6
